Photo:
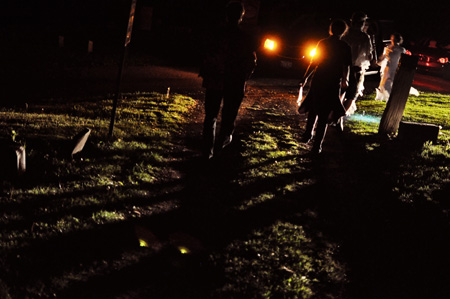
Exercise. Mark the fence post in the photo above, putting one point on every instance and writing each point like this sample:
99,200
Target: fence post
403,80
122,64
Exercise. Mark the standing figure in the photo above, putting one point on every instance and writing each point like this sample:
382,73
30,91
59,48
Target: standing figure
228,63
362,57
389,63
332,68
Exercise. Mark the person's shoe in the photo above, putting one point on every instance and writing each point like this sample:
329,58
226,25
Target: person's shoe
208,154
316,150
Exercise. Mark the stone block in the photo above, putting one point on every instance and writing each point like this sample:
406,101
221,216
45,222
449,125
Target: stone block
417,133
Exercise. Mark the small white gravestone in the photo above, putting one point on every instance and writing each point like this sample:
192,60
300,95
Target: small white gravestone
80,140
12,159
21,159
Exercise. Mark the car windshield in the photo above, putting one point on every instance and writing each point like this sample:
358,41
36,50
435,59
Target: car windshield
311,24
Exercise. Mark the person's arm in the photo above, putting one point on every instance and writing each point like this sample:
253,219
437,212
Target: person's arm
370,49
313,63
345,77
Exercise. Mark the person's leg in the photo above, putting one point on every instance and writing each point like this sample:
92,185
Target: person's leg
350,93
388,86
360,75
321,130
213,99
352,89
231,102
309,129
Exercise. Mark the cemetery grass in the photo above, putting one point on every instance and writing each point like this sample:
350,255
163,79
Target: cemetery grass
140,215
423,172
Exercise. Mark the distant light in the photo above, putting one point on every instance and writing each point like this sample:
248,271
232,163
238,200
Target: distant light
142,243
270,44
313,52
443,60
183,250
408,52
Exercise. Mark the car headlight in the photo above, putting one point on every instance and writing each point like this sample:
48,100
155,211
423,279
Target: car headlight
270,44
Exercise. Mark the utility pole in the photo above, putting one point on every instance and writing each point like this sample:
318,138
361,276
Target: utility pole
122,64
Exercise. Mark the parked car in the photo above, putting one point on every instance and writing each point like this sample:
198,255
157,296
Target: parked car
434,57
287,49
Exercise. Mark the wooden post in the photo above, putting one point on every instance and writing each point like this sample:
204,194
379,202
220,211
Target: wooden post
90,48
403,79
121,66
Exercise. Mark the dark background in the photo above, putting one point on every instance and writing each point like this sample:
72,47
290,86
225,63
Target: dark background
174,28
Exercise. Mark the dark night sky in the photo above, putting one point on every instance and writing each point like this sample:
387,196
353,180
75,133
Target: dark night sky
430,17
414,18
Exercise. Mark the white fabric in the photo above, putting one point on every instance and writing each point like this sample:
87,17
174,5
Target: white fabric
389,63
361,46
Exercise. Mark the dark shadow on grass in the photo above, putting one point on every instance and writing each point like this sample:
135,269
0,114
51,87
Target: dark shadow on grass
207,213
392,250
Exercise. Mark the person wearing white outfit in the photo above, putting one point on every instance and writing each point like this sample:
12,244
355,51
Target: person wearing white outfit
389,63
362,57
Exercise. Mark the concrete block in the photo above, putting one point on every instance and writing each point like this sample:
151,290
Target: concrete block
417,133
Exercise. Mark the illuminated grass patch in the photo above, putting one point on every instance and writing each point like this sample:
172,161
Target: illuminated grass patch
277,262
422,173
108,183
270,151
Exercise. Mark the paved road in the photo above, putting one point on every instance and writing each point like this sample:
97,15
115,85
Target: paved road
101,81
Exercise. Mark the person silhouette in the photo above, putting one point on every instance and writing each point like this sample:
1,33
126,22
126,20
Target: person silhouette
332,69
229,61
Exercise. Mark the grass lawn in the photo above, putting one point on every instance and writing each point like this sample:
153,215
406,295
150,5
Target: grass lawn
138,217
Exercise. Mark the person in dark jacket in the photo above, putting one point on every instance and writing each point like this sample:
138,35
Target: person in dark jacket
228,63
324,99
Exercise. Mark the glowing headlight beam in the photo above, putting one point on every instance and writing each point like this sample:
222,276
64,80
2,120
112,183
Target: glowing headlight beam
270,44
313,52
